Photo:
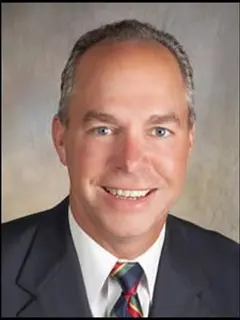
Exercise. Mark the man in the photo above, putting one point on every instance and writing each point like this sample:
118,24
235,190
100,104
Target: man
124,130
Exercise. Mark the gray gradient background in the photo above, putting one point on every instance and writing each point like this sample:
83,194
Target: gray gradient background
36,41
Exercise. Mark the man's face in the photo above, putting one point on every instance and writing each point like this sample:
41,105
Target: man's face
128,131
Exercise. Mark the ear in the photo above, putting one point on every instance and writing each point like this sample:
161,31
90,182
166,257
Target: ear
59,137
192,135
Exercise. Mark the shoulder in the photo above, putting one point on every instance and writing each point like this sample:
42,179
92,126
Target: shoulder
216,253
21,231
205,241
14,230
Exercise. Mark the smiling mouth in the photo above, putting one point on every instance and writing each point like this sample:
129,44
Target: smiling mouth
129,194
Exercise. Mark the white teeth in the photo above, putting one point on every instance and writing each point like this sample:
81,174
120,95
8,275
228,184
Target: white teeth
128,193
119,192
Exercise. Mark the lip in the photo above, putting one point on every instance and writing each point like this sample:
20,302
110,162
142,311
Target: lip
127,204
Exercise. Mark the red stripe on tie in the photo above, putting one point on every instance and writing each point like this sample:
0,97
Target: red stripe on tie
134,313
132,291
116,267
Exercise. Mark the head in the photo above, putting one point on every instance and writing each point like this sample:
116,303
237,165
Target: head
125,124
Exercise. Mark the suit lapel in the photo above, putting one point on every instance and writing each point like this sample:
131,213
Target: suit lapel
181,289
51,273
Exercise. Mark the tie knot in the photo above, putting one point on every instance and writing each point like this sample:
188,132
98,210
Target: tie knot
128,275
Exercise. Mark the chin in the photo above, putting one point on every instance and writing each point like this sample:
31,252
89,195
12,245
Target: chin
126,234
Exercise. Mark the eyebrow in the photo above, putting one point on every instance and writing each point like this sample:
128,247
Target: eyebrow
165,118
108,118
100,116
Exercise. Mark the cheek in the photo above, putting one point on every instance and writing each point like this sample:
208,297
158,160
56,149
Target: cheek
171,160
87,156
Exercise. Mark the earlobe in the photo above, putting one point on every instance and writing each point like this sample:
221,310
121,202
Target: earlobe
58,136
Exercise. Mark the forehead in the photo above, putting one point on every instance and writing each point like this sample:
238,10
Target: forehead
134,57
128,73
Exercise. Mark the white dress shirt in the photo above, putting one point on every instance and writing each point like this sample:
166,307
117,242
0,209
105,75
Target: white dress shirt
96,264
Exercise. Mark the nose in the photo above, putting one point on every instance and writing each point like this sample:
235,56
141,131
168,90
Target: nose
130,155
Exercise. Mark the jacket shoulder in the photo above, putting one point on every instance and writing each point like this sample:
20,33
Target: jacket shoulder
207,243
15,230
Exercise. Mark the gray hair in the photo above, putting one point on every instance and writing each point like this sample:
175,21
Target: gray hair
123,31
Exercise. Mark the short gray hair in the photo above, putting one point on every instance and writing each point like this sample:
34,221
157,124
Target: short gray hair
123,31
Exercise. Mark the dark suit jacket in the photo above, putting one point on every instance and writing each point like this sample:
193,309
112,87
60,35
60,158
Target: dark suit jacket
198,274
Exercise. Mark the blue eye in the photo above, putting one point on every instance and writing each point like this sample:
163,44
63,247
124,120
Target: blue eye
161,132
102,131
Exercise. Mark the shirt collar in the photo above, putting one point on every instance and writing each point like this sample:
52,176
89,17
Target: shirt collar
149,261
96,262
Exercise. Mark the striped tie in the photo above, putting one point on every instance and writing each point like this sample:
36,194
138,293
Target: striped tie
128,304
